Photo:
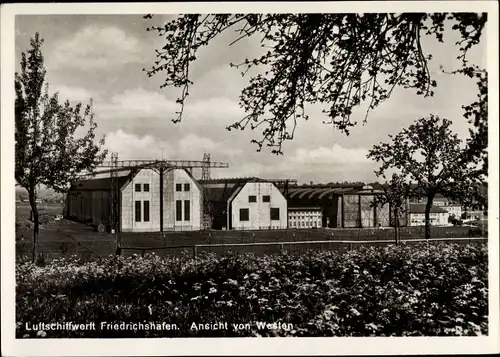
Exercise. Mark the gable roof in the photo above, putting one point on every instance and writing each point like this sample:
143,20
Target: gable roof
100,184
220,193
196,182
224,190
304,208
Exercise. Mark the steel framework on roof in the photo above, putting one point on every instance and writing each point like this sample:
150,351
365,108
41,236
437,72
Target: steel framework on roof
116,166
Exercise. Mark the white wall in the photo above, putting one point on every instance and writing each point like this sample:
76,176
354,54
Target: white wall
194,196
455,210
437,219
304,219
170,195
259,211
130,196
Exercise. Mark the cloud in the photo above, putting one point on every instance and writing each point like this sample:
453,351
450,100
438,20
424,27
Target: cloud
134,147
74,94
320,164
195,146
133,104
189,147
335,155
138,103
95,47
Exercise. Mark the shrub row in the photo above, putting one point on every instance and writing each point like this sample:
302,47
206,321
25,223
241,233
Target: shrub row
426,289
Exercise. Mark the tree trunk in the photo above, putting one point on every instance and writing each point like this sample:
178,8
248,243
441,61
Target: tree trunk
396,226
36,221
427,216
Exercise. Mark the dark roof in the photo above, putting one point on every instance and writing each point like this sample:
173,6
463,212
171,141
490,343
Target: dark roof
304,208
231,180
308,195
420,208
220,194
221,189
102,184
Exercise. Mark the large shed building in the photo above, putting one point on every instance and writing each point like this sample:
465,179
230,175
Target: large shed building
246,204
344,206
147,201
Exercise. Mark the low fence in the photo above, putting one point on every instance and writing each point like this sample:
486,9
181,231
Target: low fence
279,247
92,245
286,235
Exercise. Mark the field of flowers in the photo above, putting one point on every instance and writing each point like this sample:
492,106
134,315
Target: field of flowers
428,289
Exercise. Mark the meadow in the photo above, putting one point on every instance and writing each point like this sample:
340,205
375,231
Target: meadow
64,238
431,289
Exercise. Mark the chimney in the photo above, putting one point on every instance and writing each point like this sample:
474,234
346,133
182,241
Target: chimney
312,183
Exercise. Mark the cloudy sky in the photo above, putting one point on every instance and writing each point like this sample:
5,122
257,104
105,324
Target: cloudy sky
103,56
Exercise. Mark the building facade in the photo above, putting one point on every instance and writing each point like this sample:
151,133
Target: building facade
257,205
246,204
305,217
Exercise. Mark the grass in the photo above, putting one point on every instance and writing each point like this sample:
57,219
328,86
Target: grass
64,237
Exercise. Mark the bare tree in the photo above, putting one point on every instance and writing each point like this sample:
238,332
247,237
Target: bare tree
338,60
47,151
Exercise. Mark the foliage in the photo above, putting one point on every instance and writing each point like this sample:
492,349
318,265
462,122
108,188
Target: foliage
337,60
477,114
432,290
429,154
47,151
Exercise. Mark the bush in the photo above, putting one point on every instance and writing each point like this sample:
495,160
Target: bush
431,290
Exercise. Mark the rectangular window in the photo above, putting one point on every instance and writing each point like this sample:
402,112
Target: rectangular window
137,187
146,187
146,211
137,211
187,187
266,198
244,214
275,214
252,198
178,210
187,212
178,187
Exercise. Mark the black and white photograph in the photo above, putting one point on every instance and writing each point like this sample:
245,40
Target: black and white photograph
321,175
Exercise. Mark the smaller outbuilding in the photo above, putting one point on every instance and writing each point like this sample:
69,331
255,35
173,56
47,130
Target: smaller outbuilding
305,217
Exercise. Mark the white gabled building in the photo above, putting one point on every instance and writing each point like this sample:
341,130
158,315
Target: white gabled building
437,215
246,204
148,201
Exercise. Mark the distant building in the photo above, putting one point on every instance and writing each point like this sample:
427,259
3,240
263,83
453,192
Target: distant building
147,201
438,215
305,217
453,208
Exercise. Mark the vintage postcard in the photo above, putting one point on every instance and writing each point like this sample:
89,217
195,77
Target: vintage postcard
249,178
